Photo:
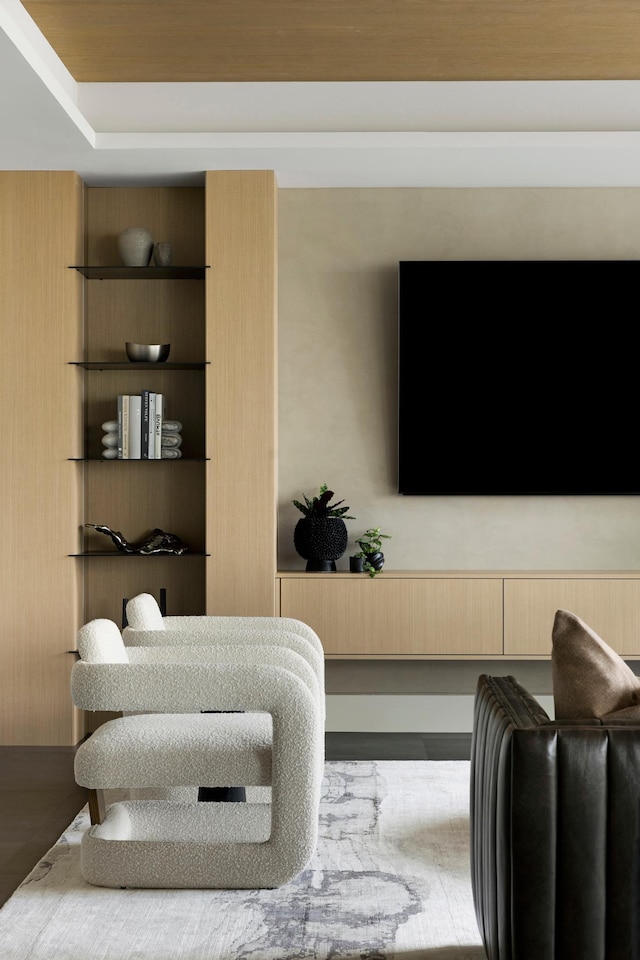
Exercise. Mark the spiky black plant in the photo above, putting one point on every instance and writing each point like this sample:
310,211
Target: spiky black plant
321,506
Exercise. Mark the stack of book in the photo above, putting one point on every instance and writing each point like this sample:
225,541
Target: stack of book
140,419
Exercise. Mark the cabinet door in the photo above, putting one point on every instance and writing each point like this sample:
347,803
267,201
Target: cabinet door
382,617
611,607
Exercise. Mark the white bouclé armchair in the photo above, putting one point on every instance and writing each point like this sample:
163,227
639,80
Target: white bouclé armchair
272,736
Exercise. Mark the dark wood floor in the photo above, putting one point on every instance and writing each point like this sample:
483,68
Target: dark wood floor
39,797
38,800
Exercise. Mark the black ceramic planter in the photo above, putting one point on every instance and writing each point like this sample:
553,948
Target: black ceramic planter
320,541
356,564
376,560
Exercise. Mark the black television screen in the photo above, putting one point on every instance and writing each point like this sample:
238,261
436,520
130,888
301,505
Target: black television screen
518,377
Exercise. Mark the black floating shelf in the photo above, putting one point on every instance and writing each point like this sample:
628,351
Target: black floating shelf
137,365
144,556
138,459
142,273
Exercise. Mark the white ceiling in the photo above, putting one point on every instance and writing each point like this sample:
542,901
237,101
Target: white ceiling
458,134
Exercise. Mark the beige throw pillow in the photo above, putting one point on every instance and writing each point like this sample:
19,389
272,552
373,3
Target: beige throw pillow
589,678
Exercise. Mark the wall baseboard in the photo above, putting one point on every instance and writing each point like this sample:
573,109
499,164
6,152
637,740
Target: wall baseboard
406,714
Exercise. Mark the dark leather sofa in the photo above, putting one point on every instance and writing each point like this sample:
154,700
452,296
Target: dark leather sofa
555,840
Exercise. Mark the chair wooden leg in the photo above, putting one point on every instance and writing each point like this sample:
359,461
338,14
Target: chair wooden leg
96,806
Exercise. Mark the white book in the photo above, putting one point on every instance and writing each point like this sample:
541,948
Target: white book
135,427
152,422
157,427
123,427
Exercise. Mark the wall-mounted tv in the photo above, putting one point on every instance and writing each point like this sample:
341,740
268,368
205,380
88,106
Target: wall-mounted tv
518,377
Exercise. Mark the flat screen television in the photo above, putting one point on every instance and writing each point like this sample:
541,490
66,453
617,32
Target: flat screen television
518,377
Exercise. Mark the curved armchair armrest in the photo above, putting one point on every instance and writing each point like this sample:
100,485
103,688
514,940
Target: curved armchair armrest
213,628
190,687
239,656
192,631
256,640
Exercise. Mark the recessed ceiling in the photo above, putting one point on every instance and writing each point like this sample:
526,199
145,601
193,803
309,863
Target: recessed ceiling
513,94
178,41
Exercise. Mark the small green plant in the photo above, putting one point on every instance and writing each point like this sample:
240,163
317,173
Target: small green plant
370,544
321,505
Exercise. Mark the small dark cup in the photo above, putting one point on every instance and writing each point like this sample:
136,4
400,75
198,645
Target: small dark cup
356,564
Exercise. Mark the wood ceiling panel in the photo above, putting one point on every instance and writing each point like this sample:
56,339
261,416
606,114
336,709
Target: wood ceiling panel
342,40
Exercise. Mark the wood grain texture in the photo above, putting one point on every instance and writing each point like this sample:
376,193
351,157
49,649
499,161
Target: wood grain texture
241,215
40,489
173,214
430,614
398,617
137,496
349,40
611,607
110,580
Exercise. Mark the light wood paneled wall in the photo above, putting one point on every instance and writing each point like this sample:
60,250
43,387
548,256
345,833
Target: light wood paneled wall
241,247
298,40
41,310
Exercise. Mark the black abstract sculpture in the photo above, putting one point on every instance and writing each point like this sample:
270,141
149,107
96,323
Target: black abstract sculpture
155,542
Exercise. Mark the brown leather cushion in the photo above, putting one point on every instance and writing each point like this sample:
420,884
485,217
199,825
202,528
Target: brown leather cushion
589,678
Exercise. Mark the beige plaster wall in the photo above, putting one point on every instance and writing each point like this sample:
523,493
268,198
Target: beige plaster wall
338,254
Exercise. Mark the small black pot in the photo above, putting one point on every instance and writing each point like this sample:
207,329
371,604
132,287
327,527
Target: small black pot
376,560
356,564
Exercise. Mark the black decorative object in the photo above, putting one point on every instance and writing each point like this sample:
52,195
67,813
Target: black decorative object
371,555
155,542
356,564
320,541
320,537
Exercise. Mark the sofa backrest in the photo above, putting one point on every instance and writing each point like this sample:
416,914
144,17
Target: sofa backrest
555,830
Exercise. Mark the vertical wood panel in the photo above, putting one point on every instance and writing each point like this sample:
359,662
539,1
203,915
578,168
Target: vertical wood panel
40,308
241,215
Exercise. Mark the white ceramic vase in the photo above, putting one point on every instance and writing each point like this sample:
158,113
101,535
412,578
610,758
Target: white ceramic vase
135,245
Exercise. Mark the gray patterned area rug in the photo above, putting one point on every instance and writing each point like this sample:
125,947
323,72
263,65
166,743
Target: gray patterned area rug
390,879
